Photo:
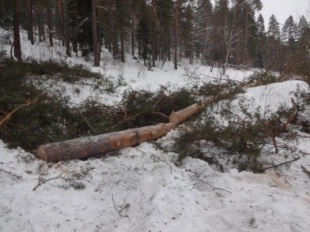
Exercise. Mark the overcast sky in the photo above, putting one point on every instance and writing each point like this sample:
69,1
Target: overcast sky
282,9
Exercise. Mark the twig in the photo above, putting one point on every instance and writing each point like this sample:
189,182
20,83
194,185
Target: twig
161,114
120,210
11,174
216,188
213,187
44,181
89,125
277,165
156,159
54,178
305,170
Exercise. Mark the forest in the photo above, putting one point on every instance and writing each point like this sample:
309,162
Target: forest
222,33
153,115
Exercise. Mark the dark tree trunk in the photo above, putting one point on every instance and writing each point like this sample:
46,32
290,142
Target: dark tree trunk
17,46
60,16
50,27
122,38
176,27
40,19
41,15
30,21
95,34
133,36
66,27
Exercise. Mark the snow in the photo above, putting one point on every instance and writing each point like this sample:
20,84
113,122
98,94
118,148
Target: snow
140,188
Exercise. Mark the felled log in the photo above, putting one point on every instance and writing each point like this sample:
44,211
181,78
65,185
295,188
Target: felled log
94,145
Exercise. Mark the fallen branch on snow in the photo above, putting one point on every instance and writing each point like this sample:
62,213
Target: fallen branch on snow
277,165
305,170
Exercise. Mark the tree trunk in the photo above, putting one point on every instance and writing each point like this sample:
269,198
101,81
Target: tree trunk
40,20
60,16
66,27
41,14
176,34
50,27
30,23
133,35
90,146
95,34
122,39
17,46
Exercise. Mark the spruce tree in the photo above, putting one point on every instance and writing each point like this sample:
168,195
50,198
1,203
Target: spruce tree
274,27
302,26
289,31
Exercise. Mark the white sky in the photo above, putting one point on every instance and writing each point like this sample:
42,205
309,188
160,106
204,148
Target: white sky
282,9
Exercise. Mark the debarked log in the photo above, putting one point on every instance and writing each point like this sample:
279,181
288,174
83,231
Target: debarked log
94,145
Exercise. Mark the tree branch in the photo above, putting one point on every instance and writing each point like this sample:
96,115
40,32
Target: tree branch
9,115
277,165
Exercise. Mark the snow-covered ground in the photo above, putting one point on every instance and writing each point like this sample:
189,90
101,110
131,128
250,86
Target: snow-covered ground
140,188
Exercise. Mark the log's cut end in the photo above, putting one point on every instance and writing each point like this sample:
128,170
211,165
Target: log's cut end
41,153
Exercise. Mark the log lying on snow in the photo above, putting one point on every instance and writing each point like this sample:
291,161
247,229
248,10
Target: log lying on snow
95,145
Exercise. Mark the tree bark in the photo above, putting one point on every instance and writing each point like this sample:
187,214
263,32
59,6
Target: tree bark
90,146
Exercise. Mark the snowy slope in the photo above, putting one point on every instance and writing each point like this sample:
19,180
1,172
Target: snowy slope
140,188
153,193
